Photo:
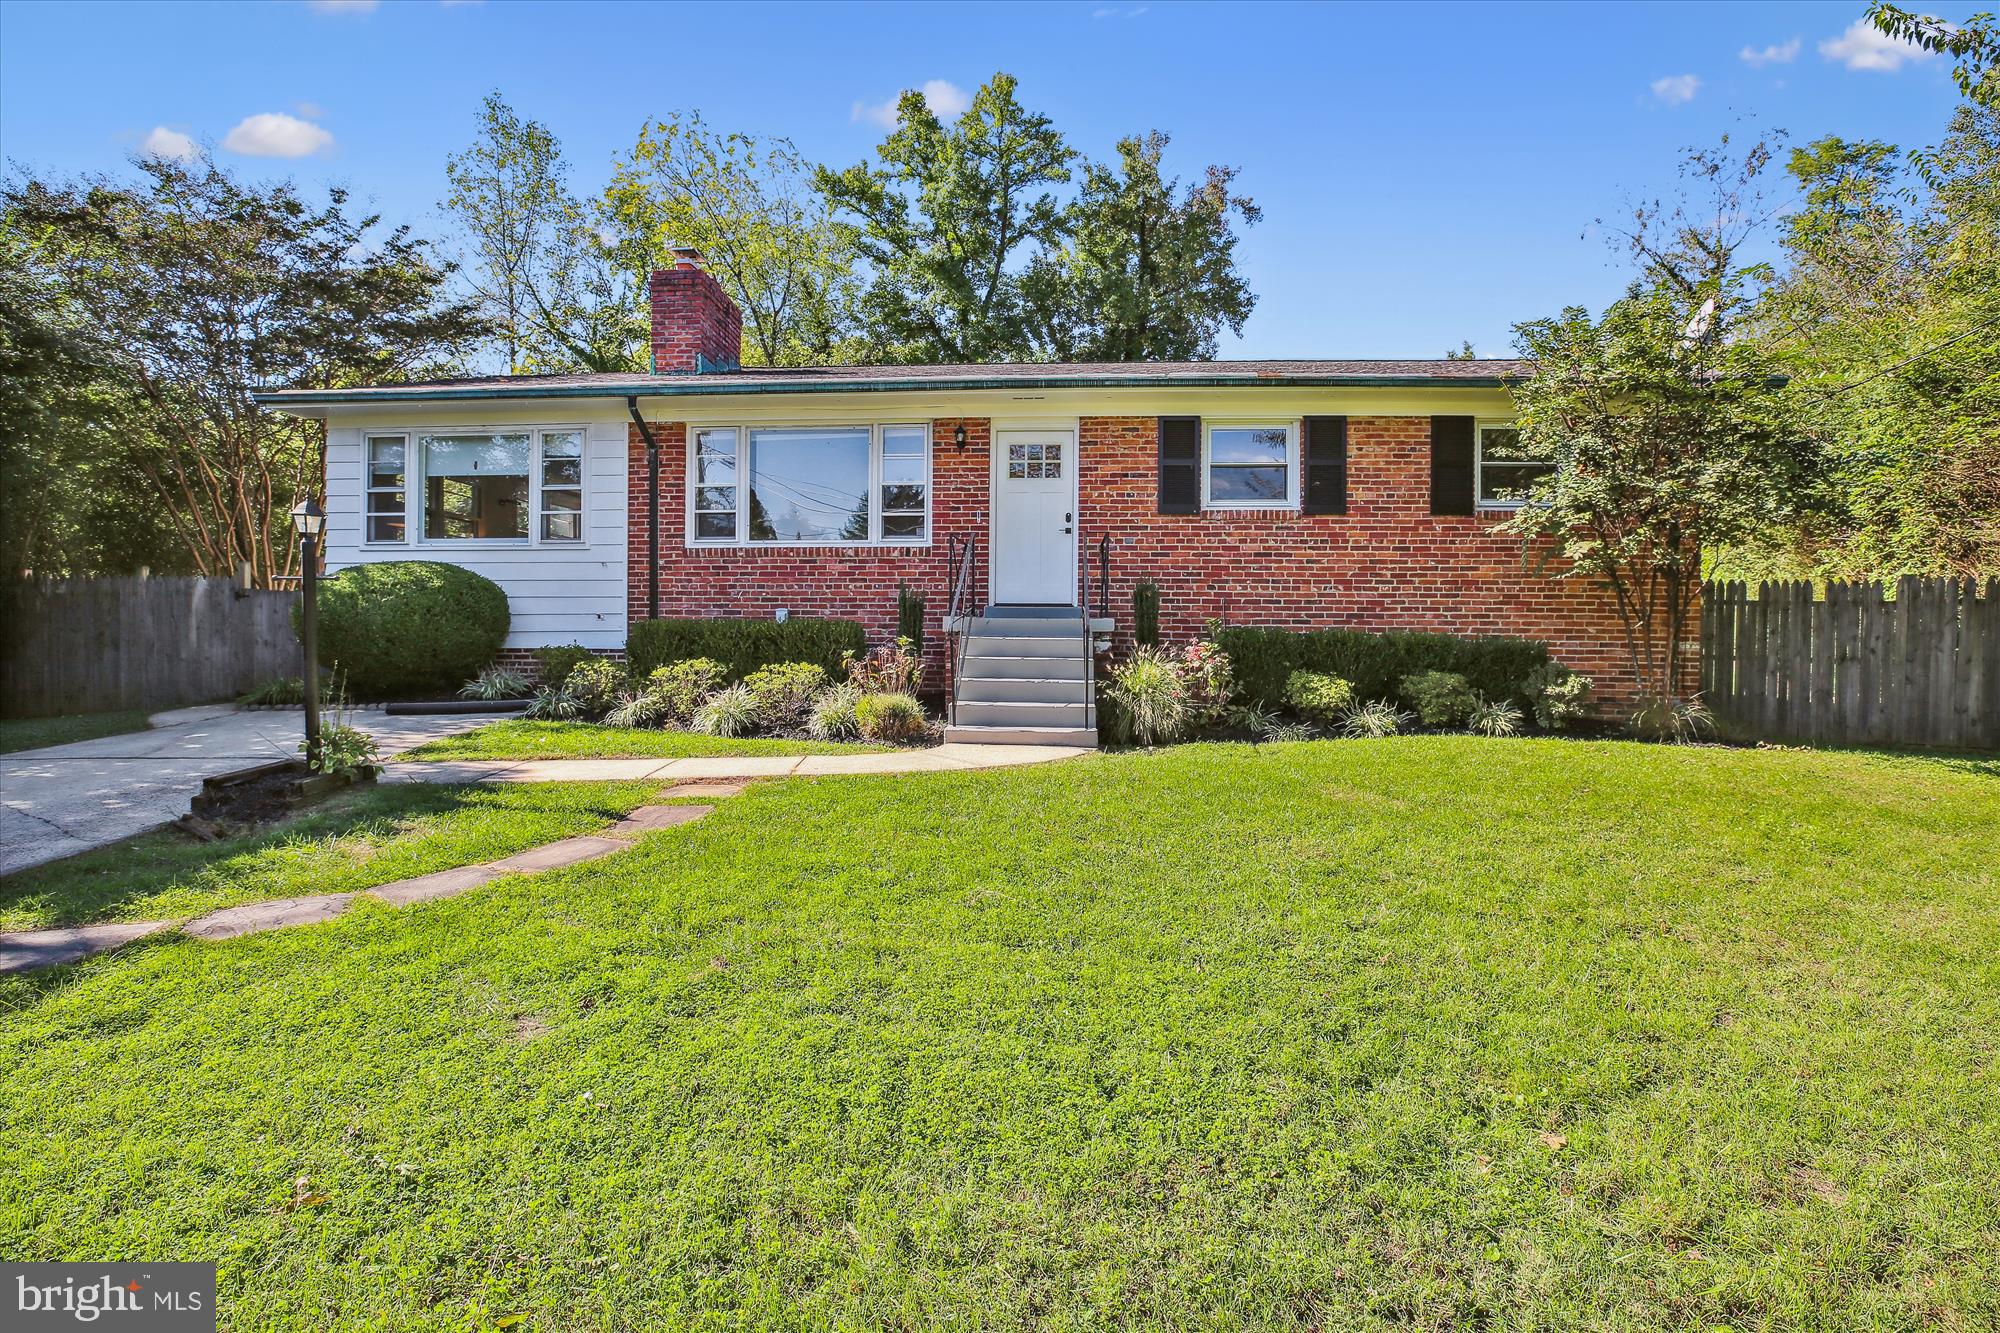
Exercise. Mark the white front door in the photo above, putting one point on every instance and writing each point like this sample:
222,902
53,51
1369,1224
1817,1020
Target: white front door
1034,517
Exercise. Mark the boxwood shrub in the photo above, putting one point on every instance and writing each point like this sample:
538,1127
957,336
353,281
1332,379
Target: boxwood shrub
408,629
742,646
1264,660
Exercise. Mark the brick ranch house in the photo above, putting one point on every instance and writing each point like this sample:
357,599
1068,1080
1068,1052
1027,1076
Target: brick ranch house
1362,494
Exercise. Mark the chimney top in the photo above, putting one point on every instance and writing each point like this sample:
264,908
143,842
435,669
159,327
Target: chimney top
686,256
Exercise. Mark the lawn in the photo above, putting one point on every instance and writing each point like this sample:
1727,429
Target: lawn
519,738
1432,1032
359,839
32,733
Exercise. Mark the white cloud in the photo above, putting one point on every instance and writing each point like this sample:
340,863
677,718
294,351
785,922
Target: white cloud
275,134
343,6
1864,46
1783,53
945,99
1676,88
163,142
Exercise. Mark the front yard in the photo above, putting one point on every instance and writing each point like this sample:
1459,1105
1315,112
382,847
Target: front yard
524,738
1431,1032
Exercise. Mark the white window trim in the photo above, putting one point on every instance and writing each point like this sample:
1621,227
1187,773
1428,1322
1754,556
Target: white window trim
369,489
1479,428
414,485
1292,431
742,431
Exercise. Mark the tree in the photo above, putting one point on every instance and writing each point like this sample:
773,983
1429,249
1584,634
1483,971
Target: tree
1671,434
549,284
942,220
198,291
1973,45
769,237
1144,274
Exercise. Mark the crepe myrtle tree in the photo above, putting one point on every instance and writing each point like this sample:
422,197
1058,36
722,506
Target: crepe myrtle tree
1670,442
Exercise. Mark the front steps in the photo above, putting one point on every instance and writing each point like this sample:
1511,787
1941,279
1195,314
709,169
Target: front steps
1025,679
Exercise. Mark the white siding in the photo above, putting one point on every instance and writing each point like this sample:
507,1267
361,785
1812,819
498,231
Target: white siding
559,592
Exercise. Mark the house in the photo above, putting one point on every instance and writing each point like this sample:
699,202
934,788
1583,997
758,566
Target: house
1363,494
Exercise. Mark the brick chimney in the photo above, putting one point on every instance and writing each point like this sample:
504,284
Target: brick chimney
696,327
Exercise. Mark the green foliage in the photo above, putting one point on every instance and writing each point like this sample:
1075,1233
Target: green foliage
1210,682
555,703
888,668
553,665
1559,696
1440,698
1374,720
744,645
1146,613
785,691
1316,695
1141,272
1265,659
893,718
729,712
910,618
648,738
682,686
833,714
495,682
342,749
1149,698
1495,717
409,628
1674,720
640,708
596,684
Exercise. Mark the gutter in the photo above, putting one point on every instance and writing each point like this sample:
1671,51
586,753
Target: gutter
692,387
652,509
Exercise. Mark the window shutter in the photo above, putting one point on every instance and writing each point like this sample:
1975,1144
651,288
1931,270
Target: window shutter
1180,465
1451,465
1323,454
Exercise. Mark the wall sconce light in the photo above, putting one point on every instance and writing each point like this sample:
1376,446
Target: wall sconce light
958,437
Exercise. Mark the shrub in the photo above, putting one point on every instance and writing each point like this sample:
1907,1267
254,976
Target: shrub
409,627
832,715
1210,684
1676,721
1146,613
730,712
596,685
342,749
784,692
495,682
1559,696
282,692
741,646
682,687
1275,730
1496,717
554,703
1372,720
640,708
1264,660
1317,695
910,618
890,668
1440,698
553,665
889,717
1149,697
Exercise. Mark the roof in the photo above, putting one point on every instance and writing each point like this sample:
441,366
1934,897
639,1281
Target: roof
1006,375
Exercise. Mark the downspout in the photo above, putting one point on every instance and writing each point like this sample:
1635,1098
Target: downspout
652,509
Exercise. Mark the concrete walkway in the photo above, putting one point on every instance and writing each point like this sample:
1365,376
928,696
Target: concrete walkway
24,950
66,799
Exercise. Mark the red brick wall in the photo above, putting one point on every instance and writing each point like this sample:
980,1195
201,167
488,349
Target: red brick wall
845,582
1387,563
693,321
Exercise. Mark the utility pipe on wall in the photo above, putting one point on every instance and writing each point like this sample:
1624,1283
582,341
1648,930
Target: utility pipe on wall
652,509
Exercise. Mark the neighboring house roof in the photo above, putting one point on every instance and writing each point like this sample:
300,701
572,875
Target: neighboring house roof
1007,375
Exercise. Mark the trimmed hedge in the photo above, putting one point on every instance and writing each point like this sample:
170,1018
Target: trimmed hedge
408,629
742,646
1263,660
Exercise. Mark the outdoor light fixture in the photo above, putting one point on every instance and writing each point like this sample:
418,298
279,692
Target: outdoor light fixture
310,520
958,436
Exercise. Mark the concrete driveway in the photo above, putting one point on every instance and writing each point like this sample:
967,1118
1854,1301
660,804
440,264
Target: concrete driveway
70,798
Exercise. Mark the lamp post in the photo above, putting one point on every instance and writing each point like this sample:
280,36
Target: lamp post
309,519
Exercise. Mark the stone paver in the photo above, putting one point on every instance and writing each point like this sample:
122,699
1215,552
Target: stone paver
254,918
45,948
567,852
704,789
647,818
437,884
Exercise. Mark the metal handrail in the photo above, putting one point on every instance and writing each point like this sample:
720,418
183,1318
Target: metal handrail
1089,644
959,557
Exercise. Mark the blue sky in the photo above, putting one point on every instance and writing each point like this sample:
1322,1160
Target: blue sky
1428,173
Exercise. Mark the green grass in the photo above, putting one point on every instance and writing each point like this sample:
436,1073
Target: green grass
523,739
1432,1032
32,733
357,840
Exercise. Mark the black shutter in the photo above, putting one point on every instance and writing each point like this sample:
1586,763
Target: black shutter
1451,465
1180,465
1324,456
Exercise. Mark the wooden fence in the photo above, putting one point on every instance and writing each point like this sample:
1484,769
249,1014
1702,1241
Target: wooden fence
1852,667
95,645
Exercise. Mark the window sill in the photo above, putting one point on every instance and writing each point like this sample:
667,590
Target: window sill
695,545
